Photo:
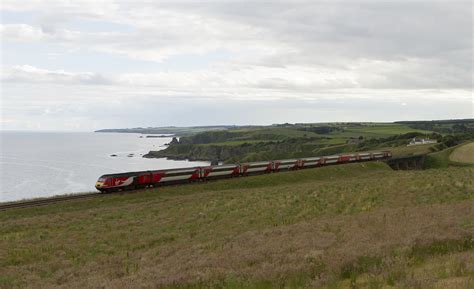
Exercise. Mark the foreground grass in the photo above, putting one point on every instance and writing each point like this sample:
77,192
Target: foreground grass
358,225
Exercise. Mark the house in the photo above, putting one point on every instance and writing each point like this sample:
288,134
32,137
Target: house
421,141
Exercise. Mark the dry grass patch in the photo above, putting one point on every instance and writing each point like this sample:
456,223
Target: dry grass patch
308,228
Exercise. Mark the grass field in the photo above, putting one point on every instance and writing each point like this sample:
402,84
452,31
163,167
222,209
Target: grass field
380,130
352,226
444,159
463,154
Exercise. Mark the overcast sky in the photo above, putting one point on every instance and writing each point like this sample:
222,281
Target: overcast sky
85,65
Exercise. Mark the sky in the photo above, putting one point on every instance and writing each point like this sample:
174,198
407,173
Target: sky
87,65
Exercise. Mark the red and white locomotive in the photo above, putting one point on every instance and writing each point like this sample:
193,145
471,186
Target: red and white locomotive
144,179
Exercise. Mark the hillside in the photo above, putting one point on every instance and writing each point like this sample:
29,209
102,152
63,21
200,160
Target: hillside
458,155
304,140
357,225
463,154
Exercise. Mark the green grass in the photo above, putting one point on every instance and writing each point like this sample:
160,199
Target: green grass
442,159
463,154
269,133
267,143
379,130
410,150
233,143
327,227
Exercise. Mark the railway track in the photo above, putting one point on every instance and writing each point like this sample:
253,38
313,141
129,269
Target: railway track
58,199
52,200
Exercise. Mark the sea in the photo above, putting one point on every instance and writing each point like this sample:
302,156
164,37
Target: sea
44,164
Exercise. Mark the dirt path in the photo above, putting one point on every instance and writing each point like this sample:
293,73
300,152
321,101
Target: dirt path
463,154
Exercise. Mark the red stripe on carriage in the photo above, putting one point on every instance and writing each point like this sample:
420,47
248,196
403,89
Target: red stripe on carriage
156,177
195,175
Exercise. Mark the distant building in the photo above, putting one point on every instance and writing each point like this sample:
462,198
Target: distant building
421,141
354,141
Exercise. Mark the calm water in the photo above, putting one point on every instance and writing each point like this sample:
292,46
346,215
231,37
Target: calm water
46,164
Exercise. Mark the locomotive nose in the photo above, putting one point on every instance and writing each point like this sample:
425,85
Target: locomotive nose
100,182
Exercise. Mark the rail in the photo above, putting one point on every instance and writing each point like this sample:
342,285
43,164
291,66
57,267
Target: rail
46,201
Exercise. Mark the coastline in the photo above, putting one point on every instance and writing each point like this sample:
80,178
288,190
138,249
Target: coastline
56,170
152,155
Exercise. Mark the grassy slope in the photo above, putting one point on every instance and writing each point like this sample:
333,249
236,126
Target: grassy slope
360,223
442,158
463,154
380,130
339,137
273,133
410,150
239,145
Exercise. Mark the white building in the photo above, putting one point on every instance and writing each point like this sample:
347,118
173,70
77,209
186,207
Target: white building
421,141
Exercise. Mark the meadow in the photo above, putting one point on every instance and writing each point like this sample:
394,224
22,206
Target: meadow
352,226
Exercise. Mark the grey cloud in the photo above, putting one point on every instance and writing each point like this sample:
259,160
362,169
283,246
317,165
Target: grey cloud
303,61
30,74
337,34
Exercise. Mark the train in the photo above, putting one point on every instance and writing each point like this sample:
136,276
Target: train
156,178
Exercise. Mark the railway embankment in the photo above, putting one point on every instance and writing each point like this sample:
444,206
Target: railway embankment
362,225
415,162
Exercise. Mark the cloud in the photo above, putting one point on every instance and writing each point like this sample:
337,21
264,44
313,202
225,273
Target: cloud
335,35
21,32
152,34
31,74
114,53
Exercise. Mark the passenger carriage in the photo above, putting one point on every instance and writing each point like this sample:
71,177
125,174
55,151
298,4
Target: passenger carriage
143,179
256,168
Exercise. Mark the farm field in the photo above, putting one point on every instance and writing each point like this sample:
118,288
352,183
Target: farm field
358,225
380,130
